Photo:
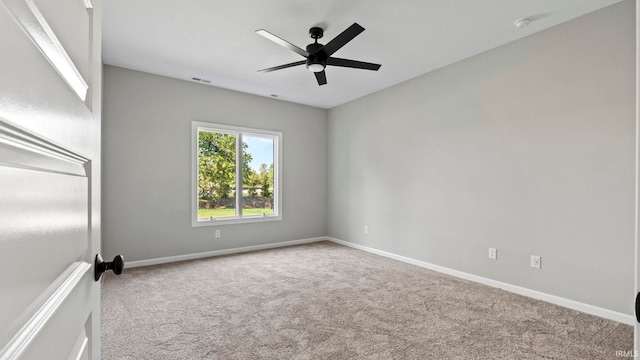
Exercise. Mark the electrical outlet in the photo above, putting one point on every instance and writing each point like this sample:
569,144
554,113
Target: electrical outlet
218,233
366,229
536,262
493,254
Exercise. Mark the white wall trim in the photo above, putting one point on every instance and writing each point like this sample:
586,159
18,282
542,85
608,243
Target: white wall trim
170,259
571,304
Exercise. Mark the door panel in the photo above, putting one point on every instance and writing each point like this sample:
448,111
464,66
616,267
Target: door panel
29,38
44,217
58,335
74,35
80,349
50,230
49,178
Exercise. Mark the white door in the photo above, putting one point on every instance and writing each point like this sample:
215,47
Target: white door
50,105
636,345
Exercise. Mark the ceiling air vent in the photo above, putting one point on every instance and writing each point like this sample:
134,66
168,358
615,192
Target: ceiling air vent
201,80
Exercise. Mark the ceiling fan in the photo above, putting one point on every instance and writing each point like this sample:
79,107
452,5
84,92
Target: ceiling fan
319,56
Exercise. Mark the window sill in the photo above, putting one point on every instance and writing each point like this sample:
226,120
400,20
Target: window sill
235,220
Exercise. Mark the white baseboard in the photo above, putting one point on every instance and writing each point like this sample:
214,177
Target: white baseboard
169,259
571,304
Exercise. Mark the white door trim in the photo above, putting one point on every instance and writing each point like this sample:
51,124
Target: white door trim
636,342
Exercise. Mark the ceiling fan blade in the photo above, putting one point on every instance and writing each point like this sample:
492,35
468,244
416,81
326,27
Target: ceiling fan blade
340,40
282,42
283,66
321,77
352,64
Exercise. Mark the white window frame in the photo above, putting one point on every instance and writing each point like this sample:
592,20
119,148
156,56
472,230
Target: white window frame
197,126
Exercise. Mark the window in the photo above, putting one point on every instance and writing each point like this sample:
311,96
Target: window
235,174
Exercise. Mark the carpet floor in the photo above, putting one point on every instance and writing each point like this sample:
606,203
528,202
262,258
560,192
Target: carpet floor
326,301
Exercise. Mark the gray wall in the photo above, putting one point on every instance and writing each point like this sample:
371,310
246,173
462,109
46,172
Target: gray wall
528,148
147,165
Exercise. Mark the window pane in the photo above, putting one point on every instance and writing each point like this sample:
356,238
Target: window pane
257,175
227,158
216,175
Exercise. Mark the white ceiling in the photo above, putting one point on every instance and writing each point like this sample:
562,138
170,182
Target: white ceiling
215,40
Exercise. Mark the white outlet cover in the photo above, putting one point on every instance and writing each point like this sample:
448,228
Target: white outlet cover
493,253
536,262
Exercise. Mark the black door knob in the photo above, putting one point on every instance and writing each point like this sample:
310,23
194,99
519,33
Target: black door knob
638,307
117,265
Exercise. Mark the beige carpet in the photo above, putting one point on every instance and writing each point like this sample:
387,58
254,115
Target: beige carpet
326,301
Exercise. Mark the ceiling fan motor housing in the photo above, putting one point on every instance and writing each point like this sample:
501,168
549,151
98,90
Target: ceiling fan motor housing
317,58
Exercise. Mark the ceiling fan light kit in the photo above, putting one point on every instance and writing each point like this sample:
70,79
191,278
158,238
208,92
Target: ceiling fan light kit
315,67
317,55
